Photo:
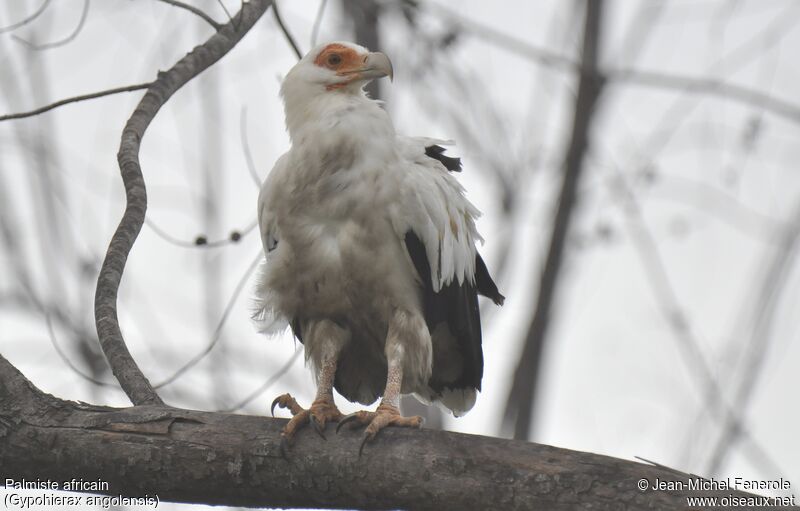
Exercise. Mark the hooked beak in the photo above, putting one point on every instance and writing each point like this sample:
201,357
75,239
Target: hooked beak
376,65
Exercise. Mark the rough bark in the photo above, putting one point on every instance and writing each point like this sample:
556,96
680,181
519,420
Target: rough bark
217,458
131,378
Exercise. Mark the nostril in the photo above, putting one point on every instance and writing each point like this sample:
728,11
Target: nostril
364,60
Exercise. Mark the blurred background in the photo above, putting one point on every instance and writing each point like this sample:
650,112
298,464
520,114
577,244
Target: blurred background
652,304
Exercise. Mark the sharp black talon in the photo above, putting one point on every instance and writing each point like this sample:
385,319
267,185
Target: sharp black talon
317,426
274,403
347,418
363,443
284,448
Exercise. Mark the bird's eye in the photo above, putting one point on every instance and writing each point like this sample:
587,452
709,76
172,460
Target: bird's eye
334,59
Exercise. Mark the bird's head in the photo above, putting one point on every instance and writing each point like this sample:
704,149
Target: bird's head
337,68
329,76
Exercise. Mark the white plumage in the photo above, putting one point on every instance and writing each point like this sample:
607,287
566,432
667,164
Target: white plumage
339,214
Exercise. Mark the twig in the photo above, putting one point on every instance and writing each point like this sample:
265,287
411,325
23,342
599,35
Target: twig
51,333
285,31
706,86
318,22
266,385
27,20
676,318
194,10
521,396
75,99
251,166
507,41
767,300
225,9
624,76
669,469
66,40
201,242
133,382
218,330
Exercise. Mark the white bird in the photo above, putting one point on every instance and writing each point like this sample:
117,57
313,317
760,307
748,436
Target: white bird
370,252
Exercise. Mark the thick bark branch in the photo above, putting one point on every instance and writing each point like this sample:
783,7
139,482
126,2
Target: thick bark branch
235,460
133,382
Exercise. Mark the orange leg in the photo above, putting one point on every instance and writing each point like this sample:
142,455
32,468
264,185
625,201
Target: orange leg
387,413
322,410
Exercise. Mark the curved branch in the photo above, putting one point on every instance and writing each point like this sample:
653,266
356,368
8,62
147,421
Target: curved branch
318,22
708,87
194,10
27,20
217,336
286,32
133,382
627,76
235,460
75,99
62,42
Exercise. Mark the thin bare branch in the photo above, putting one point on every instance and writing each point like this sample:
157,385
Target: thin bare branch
318,22
54,341
248,156
520,399
133,382
762,338
201,241
218,330
628,76
75,99
708,87
677,319
194,10
27,20
266,385
62,42
507,41
286,32
225,10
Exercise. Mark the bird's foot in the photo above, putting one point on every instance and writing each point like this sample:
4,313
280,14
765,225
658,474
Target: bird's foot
385,415
321,411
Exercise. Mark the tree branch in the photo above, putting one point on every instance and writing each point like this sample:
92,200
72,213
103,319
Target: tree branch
133,382
75,99
520,399
55,44
286,33
706,86
626,76
27,20
234,460
194,10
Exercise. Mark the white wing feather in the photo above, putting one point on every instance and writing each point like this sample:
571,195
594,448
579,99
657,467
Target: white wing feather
433,206
267,316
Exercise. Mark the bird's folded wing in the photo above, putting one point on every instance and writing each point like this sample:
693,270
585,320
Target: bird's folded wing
432,205
266,314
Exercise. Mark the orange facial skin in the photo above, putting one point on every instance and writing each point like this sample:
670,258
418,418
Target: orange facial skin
345,61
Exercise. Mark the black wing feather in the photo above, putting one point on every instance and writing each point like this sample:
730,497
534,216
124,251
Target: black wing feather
486,286
455,305
437,153
295,324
